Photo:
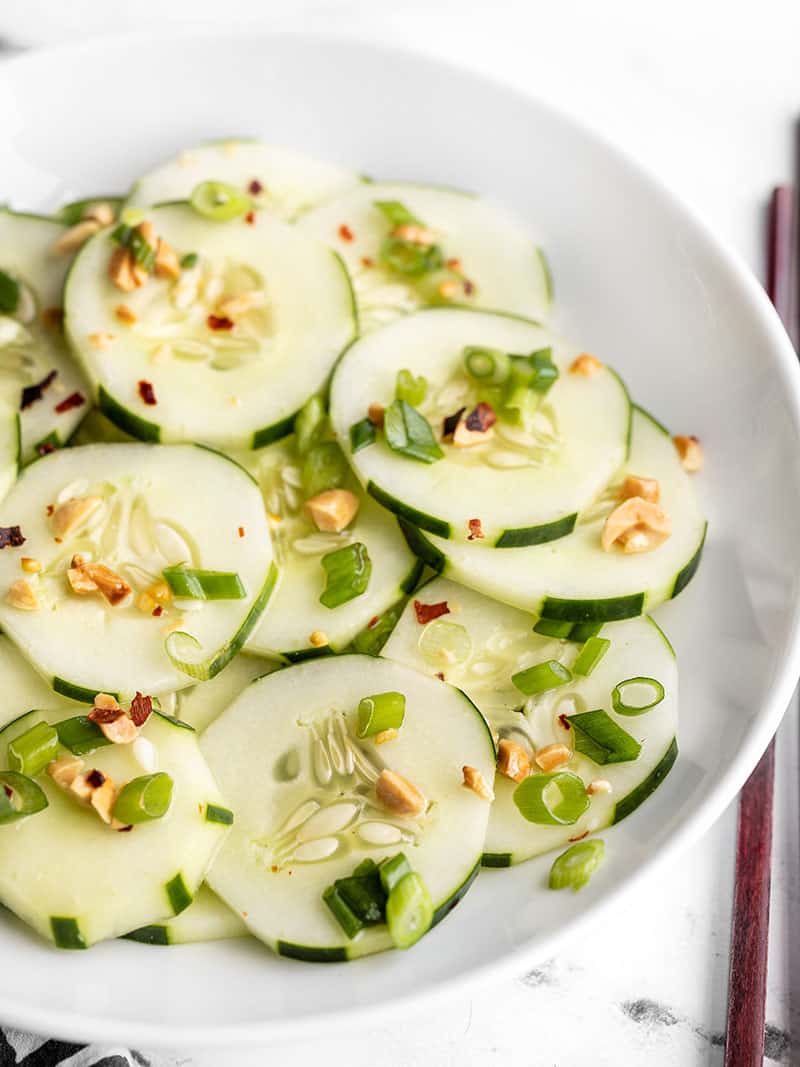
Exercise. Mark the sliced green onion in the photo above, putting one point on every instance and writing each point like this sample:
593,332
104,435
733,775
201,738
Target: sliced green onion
364,895
309,424
383,711
573,868
396,213
445,643
362,434
409,910
653,694
553,628
30,752
541,677
545,371
373,637
9,293
410,388
342,912
324,468
590,655
190,584
189,260
392,869
80,735
582,631
410,433
20,796
144,799
347,574
216,813
488,365
557,799
219,201
129,237
406,257
599,738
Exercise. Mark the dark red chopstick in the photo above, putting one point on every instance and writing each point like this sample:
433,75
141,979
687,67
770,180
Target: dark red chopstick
747,985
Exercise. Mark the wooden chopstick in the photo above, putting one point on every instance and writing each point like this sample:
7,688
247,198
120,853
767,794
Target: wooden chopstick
747,984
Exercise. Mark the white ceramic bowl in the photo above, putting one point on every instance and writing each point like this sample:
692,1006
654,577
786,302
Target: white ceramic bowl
640,282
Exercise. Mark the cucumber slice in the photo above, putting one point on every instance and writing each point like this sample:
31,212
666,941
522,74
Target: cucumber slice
282,770
156,506
574,578
296,611
496,641
206,919
579,441
32,346
506,270
9,440
74,879
202,703
291,182
235,386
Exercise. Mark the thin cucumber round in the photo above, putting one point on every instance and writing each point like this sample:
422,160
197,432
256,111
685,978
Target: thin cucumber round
75,880
495,642
574,579
227,352
137,509
282,181
560,464
32,347
493,261
296,612
302,785
206,919
201,704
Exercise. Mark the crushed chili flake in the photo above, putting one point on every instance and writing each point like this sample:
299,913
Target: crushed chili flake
124,829
147,392
449,423
367,261
440,675
141,709
219,322
372,622
53,318
8,792
50,509
241,531
32,393
346,233
105,715
475,530
250,218
95,778
158,610
453,264
564,722
11,537
579,837
469,287
44,448
481,418
74,400
426,612
255,187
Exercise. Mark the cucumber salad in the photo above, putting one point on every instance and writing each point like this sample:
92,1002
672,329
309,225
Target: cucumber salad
326,562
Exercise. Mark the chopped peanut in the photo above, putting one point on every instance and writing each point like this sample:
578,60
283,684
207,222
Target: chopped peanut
646,488
145,603
167,262
113,588
385,735
72,239
599,785
585,365
240,304
79,582
30,565
691,453
160,592
148,233
119,731
318,638
101,213
448,289
105,702
637,525
101,340
552,756
375,413
398,794
414,234
73,513
65,770
474,780
513,760
103,799
121,271
332,510
125,314
22,596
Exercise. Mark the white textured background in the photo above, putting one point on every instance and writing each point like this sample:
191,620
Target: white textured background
706,94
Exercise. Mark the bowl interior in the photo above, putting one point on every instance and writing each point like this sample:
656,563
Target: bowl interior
638,282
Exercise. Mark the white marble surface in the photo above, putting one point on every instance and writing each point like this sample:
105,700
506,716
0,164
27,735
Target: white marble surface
706,94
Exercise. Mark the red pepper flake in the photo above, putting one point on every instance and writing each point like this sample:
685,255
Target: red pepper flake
147,393
449,423
8,792
50,510
255,187
453,264
346,233
469,287
124,829
11,537
580,837
440,676
250,218
44,448
241,531
481,418
219,322
372,622
141,709
95,778
564,722
32,393
475,530
426,612
367,261
158,611
74,400
105,715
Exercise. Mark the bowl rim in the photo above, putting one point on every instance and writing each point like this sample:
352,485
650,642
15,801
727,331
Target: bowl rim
87,1027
